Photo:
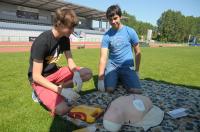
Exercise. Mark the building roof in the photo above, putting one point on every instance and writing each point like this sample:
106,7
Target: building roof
52,5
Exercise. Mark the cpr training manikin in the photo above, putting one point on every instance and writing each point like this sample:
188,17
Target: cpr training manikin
134,110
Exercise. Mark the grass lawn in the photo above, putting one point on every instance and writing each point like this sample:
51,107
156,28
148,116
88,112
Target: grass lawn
180,66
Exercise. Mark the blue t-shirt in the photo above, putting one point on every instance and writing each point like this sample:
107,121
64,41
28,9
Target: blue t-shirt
120,42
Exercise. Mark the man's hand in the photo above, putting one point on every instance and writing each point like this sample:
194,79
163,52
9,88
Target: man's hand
69,94
77,81
101,85
76,78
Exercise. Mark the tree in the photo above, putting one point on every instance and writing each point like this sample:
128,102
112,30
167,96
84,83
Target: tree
175,27
140,27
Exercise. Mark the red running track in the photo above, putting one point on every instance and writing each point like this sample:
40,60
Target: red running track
7,47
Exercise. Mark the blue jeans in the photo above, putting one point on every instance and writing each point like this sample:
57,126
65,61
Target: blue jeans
126,74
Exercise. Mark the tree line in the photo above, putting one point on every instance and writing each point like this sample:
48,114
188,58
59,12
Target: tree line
172,26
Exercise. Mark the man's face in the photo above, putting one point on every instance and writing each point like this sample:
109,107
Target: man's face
66,31
115,21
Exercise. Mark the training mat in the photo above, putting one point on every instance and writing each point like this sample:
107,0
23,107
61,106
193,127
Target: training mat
166,96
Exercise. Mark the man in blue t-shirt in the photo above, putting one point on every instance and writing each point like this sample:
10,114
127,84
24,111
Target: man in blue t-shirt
117,45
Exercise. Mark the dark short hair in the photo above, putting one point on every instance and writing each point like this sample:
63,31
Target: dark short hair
113,10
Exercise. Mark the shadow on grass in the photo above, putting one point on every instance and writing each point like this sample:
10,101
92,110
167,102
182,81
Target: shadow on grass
60,125
95,80
170,83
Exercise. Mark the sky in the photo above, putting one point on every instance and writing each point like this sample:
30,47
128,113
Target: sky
146,10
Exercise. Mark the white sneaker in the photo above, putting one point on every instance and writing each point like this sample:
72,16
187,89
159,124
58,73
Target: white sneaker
34,98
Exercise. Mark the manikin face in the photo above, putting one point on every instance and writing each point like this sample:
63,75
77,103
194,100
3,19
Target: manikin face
115,21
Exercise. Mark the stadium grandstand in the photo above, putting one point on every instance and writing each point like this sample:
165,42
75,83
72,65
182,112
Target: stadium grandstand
21,21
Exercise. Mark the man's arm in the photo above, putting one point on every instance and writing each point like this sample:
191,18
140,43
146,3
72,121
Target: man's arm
38,78
137,57
77,80
102,62
70,61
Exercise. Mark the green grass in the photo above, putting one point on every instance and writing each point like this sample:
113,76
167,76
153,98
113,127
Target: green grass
179,66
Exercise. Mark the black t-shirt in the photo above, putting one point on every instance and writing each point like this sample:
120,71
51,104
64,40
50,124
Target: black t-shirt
49,49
